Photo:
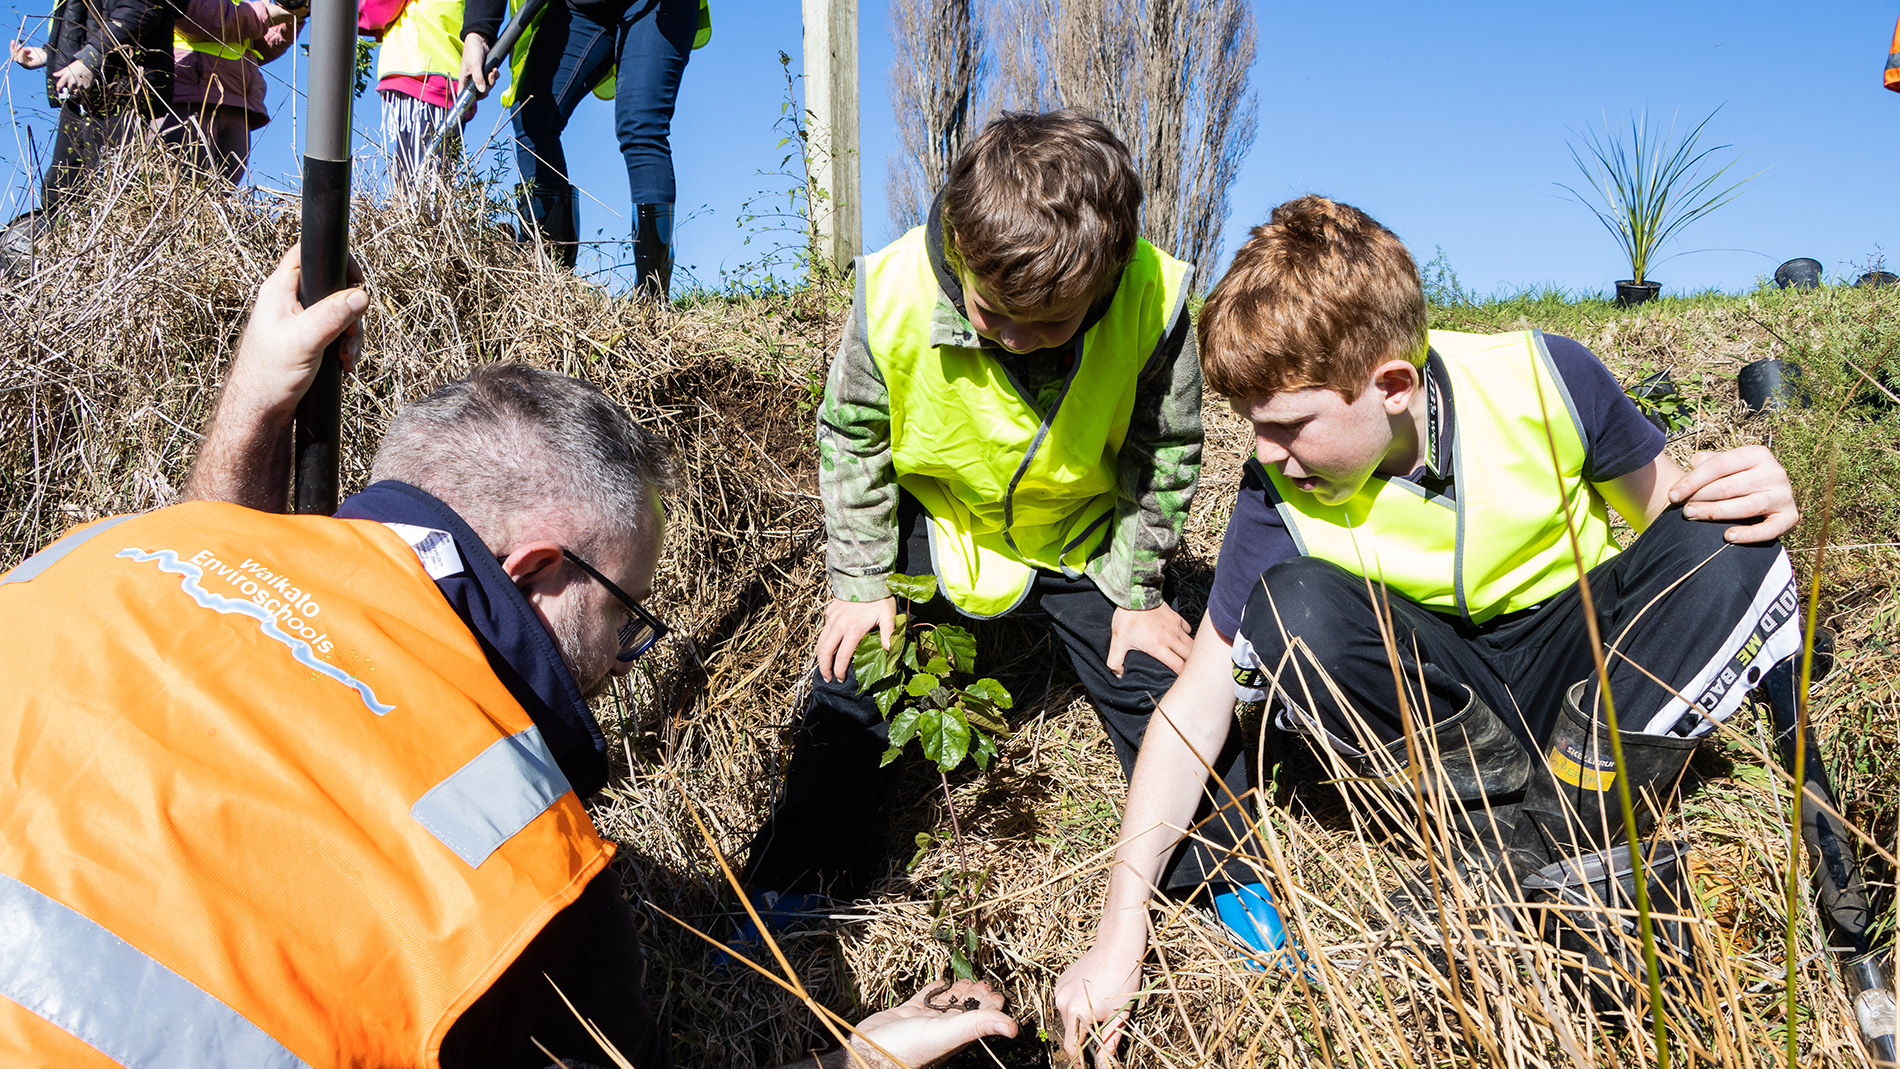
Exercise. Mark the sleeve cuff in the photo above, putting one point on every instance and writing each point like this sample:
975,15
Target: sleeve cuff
858,587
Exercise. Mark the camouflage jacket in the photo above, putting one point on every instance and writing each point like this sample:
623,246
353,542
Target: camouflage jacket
1159,462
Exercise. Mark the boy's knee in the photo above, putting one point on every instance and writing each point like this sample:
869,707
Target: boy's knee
1306,598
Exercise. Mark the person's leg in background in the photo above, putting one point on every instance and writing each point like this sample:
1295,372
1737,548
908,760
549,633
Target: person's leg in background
656,41
569,53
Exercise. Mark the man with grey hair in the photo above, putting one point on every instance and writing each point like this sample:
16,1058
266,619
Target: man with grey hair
306,790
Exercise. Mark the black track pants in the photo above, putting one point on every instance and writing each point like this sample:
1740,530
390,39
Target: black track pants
1690,621
827,829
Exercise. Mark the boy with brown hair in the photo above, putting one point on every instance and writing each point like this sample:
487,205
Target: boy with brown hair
1015,409
1452,469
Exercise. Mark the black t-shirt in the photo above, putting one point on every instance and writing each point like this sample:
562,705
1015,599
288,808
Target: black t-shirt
1617,440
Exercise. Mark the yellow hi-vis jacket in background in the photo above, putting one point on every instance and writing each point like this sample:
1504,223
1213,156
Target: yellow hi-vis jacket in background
1009,489
1501,545
265,803
604,89
425,40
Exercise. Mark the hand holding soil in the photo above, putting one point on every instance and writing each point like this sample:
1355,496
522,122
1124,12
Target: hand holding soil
930,1026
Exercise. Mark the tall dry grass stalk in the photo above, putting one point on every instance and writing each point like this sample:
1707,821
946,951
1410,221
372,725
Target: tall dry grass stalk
117,341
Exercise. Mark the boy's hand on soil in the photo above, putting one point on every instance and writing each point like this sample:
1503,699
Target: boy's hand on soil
1738,484
846,624
1159,632
283,343
917,1035
1096,990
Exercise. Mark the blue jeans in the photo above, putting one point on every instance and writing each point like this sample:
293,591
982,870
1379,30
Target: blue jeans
569,53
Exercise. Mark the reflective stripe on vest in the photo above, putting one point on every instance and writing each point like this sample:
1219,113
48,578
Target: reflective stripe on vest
1009,489
71,540
214,48
426,39
73,972
1501,546
261,761
604,89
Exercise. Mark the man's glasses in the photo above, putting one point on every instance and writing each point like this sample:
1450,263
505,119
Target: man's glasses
641,630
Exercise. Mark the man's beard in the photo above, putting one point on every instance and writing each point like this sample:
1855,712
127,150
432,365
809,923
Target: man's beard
592,674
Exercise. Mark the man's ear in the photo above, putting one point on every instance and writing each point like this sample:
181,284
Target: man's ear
533,564
1396,381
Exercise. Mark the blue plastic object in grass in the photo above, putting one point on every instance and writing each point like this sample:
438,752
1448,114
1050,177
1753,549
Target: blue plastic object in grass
782,912
1248,911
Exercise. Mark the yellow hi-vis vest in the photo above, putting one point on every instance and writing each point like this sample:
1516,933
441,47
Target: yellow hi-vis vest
219,48
1008,489
604,89
425,40
1501,546
264,804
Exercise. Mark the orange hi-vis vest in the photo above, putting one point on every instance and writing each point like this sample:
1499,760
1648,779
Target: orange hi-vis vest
264,803
1891,77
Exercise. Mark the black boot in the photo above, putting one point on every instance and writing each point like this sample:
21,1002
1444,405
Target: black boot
1570,830
1574,809
653,249
1478,768
556,217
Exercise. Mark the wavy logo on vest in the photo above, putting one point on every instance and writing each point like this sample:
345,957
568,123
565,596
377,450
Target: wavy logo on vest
267,622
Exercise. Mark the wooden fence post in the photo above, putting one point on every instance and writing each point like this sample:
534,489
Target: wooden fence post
831,103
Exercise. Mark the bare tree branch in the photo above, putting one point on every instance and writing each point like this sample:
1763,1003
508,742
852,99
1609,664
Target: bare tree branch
936,76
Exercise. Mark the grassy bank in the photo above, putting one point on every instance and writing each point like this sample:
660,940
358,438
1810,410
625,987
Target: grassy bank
118,339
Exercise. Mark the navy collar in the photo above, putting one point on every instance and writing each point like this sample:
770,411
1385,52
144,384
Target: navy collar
519,648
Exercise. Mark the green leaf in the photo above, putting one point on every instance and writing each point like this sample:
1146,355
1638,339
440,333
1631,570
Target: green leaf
917,589
886,699
890,755
961,965
946,737
871,662
982,750
924,842
980,715
969,940
921,684
993,692
904,727
959,645
938,666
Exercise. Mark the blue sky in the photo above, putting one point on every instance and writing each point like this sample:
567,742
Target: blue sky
1446,122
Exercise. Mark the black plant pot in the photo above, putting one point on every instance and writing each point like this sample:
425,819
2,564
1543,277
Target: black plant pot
1878,278
1629,293
1765,384
1801,273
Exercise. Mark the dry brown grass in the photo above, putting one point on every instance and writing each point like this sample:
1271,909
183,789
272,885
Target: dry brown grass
118,342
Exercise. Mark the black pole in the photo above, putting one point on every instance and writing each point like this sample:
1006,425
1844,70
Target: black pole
1839,886
325,241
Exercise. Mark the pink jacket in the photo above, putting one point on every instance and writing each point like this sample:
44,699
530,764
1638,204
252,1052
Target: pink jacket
201,79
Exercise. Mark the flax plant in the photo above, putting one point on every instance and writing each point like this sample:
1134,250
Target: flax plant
1646,186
